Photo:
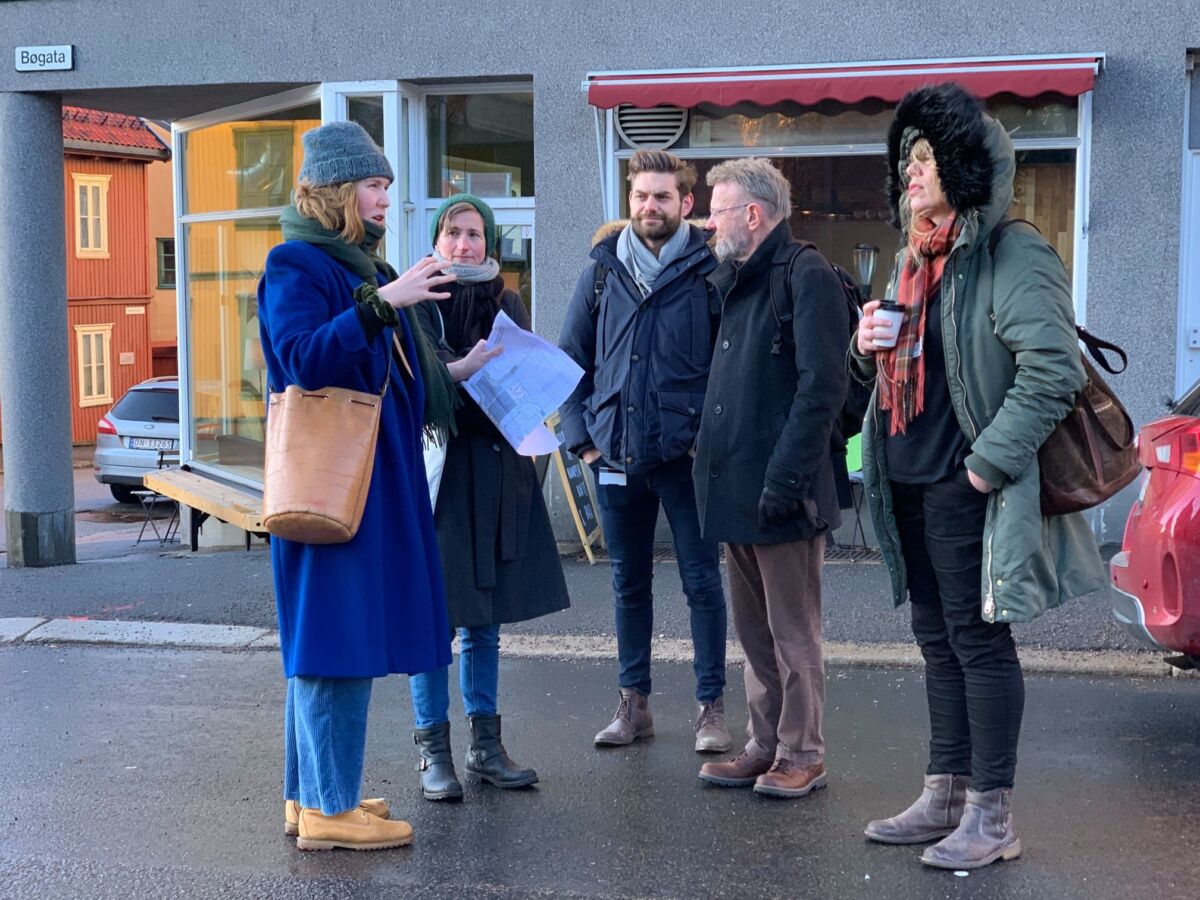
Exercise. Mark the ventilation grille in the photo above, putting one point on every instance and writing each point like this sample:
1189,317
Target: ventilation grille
656,128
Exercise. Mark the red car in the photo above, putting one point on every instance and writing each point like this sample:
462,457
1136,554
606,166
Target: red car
1157,572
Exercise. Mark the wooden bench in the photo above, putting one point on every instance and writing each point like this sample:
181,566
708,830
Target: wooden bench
208,497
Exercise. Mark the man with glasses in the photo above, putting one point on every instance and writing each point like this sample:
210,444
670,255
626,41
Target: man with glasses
641,325
764,480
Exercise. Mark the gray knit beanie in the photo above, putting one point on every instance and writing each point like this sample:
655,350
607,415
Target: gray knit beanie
338,152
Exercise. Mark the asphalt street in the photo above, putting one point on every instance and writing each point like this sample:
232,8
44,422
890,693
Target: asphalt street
143,773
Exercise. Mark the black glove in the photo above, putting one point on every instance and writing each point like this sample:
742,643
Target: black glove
776,509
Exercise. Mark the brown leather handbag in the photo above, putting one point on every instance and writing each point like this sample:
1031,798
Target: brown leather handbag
320,454
1090,455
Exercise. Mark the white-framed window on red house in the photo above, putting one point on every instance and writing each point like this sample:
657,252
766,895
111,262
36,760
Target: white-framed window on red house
91,215
93,345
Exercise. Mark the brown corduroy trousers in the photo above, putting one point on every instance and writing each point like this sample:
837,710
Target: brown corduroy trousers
775,601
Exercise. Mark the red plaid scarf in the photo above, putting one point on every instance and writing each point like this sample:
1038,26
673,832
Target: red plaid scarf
902,390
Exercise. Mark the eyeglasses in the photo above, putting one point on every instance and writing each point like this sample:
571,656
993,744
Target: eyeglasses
713,213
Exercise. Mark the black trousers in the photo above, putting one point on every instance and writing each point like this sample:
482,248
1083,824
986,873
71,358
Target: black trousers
972,675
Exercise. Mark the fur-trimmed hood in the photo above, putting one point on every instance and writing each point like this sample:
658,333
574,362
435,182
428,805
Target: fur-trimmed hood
975,160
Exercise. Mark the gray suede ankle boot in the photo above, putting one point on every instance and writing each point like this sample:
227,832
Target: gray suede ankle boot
935,814
438,781
984,835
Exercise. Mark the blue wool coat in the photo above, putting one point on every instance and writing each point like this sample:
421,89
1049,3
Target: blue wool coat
375,604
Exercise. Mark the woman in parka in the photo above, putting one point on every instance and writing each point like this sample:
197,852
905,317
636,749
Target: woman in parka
328,310
985,366
501,562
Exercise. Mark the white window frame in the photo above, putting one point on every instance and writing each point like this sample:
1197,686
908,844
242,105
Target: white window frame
97,186
609,146
89,334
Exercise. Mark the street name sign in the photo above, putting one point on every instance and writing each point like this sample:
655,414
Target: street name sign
46,59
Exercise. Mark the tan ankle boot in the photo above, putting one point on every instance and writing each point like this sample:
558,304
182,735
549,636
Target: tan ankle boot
376,806
351,830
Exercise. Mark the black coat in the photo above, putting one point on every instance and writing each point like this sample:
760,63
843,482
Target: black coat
644,359
498,551
767,417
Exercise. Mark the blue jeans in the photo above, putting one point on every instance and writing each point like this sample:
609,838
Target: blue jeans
478,679
324,740
629,513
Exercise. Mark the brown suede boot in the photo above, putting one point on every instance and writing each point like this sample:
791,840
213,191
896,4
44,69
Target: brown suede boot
934,815
631,721
788,780
351,830
984,835
741,771
376,806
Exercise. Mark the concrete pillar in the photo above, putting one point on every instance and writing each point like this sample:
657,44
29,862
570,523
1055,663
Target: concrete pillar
35,392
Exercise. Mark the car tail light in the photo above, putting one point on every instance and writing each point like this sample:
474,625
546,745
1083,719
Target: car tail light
105,427
1189,450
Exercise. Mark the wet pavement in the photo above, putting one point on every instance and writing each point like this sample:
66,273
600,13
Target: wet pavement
140,773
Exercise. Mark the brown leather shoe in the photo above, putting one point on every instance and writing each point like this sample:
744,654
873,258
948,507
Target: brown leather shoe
376,806
741,771
789,780
631,721
351,830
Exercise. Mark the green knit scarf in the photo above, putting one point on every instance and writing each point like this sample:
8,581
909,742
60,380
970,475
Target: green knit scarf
441,396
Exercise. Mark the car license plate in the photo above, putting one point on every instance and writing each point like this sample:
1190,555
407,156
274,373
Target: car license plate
151,444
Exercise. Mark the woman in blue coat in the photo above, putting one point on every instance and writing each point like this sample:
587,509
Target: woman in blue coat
375,605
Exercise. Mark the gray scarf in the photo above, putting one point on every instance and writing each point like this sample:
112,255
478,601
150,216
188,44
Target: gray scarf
484,272
641,262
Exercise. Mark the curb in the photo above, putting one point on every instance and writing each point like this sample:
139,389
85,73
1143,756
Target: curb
188,636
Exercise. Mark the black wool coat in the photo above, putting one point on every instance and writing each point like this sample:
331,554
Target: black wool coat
498,551
767,417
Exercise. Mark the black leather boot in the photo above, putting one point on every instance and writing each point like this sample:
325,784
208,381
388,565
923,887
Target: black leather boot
438,781
487,759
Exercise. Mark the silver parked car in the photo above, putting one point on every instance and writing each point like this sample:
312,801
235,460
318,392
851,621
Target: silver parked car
136,434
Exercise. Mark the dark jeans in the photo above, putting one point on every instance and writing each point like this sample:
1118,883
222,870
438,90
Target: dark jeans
629,513
972,675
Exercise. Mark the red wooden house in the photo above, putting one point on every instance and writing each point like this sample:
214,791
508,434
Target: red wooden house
110,269
109,283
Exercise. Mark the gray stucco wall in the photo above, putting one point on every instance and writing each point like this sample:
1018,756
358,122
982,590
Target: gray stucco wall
1138,102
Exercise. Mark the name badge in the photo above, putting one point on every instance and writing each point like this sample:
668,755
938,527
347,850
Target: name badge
612,476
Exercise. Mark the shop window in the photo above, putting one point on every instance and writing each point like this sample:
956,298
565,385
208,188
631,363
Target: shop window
91,215
838,199
166,263
92,352
481,144
224,263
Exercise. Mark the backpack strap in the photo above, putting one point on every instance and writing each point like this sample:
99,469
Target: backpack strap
781,293
599,277
998,232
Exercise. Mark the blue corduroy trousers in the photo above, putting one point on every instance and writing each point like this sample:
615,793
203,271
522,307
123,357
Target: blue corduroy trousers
324,741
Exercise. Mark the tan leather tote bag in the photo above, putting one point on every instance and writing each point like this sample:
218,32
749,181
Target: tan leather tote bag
320,454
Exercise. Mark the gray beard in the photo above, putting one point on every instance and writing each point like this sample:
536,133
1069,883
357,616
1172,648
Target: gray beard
732,247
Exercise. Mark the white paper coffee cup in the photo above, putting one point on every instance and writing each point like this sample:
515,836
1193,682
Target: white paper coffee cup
894,314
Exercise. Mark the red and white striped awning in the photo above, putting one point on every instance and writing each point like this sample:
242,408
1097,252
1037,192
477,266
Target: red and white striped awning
1025,76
